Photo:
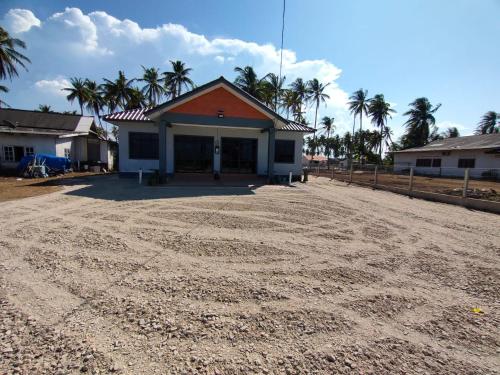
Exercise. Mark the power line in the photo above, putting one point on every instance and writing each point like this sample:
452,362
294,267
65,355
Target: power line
281,52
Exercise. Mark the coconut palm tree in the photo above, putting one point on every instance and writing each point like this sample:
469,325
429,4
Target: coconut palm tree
328,125
273,84
380,111
358,105
136,99
451,132
488,123
421,123
3,89
117,93
248,81
153,89
317,96
10,57
178,78
77,91
301,90
95,102
288,101
44,108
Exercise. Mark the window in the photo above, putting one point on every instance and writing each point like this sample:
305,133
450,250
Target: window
67,153
436,163
466,163
284,151
143,145
8,153
28,151
424,162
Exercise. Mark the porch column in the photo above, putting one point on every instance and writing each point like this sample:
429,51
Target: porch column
162,150
270,153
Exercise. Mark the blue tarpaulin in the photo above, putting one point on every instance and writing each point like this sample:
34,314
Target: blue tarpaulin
56,163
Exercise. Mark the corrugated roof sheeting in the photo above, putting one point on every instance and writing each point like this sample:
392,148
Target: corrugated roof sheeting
471,142
129,115
43,120
294,126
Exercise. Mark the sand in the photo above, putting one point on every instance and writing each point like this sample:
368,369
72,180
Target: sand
107,276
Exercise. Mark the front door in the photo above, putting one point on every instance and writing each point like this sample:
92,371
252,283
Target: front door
238,155
193,154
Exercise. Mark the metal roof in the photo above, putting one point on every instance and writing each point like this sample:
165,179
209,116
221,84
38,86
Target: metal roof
20,118
296,127
129,115
471,142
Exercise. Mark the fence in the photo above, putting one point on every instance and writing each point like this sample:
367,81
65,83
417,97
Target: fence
452,185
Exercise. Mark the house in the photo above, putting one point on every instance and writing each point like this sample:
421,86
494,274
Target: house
450,157
315,161
25,132
215,129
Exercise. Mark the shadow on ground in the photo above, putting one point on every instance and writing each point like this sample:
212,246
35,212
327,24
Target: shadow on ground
112,187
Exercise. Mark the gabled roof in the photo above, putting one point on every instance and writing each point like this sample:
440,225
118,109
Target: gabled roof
145,114
471,142
25,121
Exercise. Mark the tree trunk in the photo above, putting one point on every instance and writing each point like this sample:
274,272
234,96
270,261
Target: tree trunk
315,121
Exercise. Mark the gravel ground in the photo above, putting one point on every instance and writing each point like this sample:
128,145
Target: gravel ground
109,277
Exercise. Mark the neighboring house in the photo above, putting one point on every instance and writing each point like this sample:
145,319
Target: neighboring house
315,161
216,128
25,132
450,156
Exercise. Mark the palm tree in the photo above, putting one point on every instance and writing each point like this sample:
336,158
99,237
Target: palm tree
451,133
178,78
95,102
136,99
3,89
77,91
328,125
358,105
488,123
274,85
247,81
301,90
153,90
317,96
44,108
380,111
421,123
9,56
117,93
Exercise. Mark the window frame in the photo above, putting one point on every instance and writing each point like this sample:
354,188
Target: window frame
12,157
67,153
419,161
434,163
291,159
466,161
27,153
155,150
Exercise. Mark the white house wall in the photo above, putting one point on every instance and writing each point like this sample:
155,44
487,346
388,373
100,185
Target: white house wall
62,144
40,144
133,165
449,163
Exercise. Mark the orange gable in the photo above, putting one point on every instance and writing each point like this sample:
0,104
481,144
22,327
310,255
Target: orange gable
212,102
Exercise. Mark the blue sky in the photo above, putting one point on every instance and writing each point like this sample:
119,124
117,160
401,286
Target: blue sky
445,50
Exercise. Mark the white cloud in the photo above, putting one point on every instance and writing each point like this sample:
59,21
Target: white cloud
20,20
97,44
53,86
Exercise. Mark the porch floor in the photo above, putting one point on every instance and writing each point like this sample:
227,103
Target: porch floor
207,179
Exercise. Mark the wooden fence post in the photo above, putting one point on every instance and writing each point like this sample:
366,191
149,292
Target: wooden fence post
375,177
410,185
350,172
333,170
466,183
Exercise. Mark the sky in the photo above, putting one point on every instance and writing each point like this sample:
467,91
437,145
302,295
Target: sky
445,50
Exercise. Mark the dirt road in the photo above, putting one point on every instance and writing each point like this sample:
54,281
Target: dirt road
106,276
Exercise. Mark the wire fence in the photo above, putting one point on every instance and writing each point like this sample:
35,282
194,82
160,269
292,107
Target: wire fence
475,183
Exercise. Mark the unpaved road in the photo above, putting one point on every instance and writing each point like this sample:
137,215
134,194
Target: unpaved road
321,278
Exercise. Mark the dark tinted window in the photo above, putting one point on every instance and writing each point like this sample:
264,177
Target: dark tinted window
466,163
143,145
284,151
424,162
436,163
